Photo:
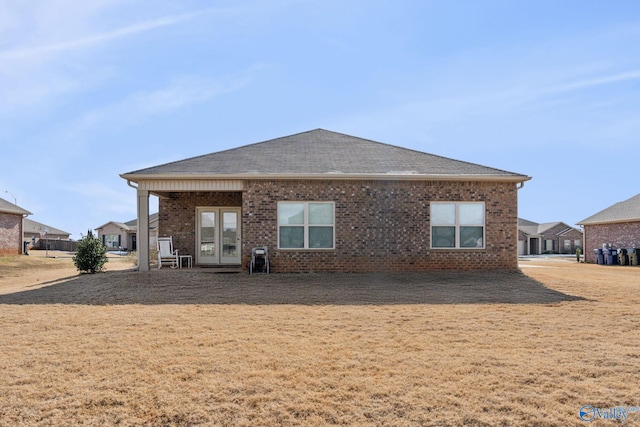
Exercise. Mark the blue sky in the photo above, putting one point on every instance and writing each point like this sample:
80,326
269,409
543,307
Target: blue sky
90,90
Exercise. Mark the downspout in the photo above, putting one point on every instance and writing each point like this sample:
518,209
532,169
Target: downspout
519,185
131,185
584,242
22,249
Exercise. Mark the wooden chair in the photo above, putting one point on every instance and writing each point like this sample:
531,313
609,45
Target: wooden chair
166,254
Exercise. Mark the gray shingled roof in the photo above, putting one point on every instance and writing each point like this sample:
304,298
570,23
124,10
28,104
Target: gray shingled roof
533,228
628,210
121,225
319,153
131,225
31,226
134,222
8,207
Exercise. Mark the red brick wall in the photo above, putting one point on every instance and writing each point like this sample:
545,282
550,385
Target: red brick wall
622,235
10,234
381,225
177,216
558,241
571,235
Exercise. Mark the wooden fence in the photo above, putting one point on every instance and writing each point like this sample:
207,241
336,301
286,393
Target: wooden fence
56,245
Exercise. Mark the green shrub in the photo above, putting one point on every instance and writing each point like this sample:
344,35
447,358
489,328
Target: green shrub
91,254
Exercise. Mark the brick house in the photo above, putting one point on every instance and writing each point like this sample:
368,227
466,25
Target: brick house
617,226
52,238
124,235
327,202
550,237
11,228
34,229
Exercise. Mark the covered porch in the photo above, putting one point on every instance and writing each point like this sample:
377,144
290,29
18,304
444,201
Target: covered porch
204,218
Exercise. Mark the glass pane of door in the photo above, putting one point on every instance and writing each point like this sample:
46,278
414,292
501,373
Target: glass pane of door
230,238
229,234
207,234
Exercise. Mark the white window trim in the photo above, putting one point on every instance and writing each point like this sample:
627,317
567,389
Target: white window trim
307,226
457,226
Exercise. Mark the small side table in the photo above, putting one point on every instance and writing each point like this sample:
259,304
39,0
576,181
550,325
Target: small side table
188,258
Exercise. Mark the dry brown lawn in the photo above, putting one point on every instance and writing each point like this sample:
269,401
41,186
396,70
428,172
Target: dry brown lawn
192,347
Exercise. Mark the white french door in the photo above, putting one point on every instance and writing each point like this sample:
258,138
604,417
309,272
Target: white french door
218,235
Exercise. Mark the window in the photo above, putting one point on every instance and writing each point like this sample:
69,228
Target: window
111,240
305,225
548,245
457,225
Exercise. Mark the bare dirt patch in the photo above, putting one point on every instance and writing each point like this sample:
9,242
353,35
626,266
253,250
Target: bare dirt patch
202,286
189,347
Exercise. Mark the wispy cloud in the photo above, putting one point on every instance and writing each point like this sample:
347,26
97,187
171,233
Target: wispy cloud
105,198
562,99
94,39
34,73
597,81
180,93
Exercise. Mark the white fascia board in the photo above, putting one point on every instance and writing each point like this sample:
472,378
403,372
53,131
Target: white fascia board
613,221
328,176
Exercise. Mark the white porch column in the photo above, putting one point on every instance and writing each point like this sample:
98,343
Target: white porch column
143,230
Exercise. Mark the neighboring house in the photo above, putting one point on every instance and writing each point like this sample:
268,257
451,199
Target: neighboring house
617,226
550,237
33,231
322,201
11,228
42,236
124,235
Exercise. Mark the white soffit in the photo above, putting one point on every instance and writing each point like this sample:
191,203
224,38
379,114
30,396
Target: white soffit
191,185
